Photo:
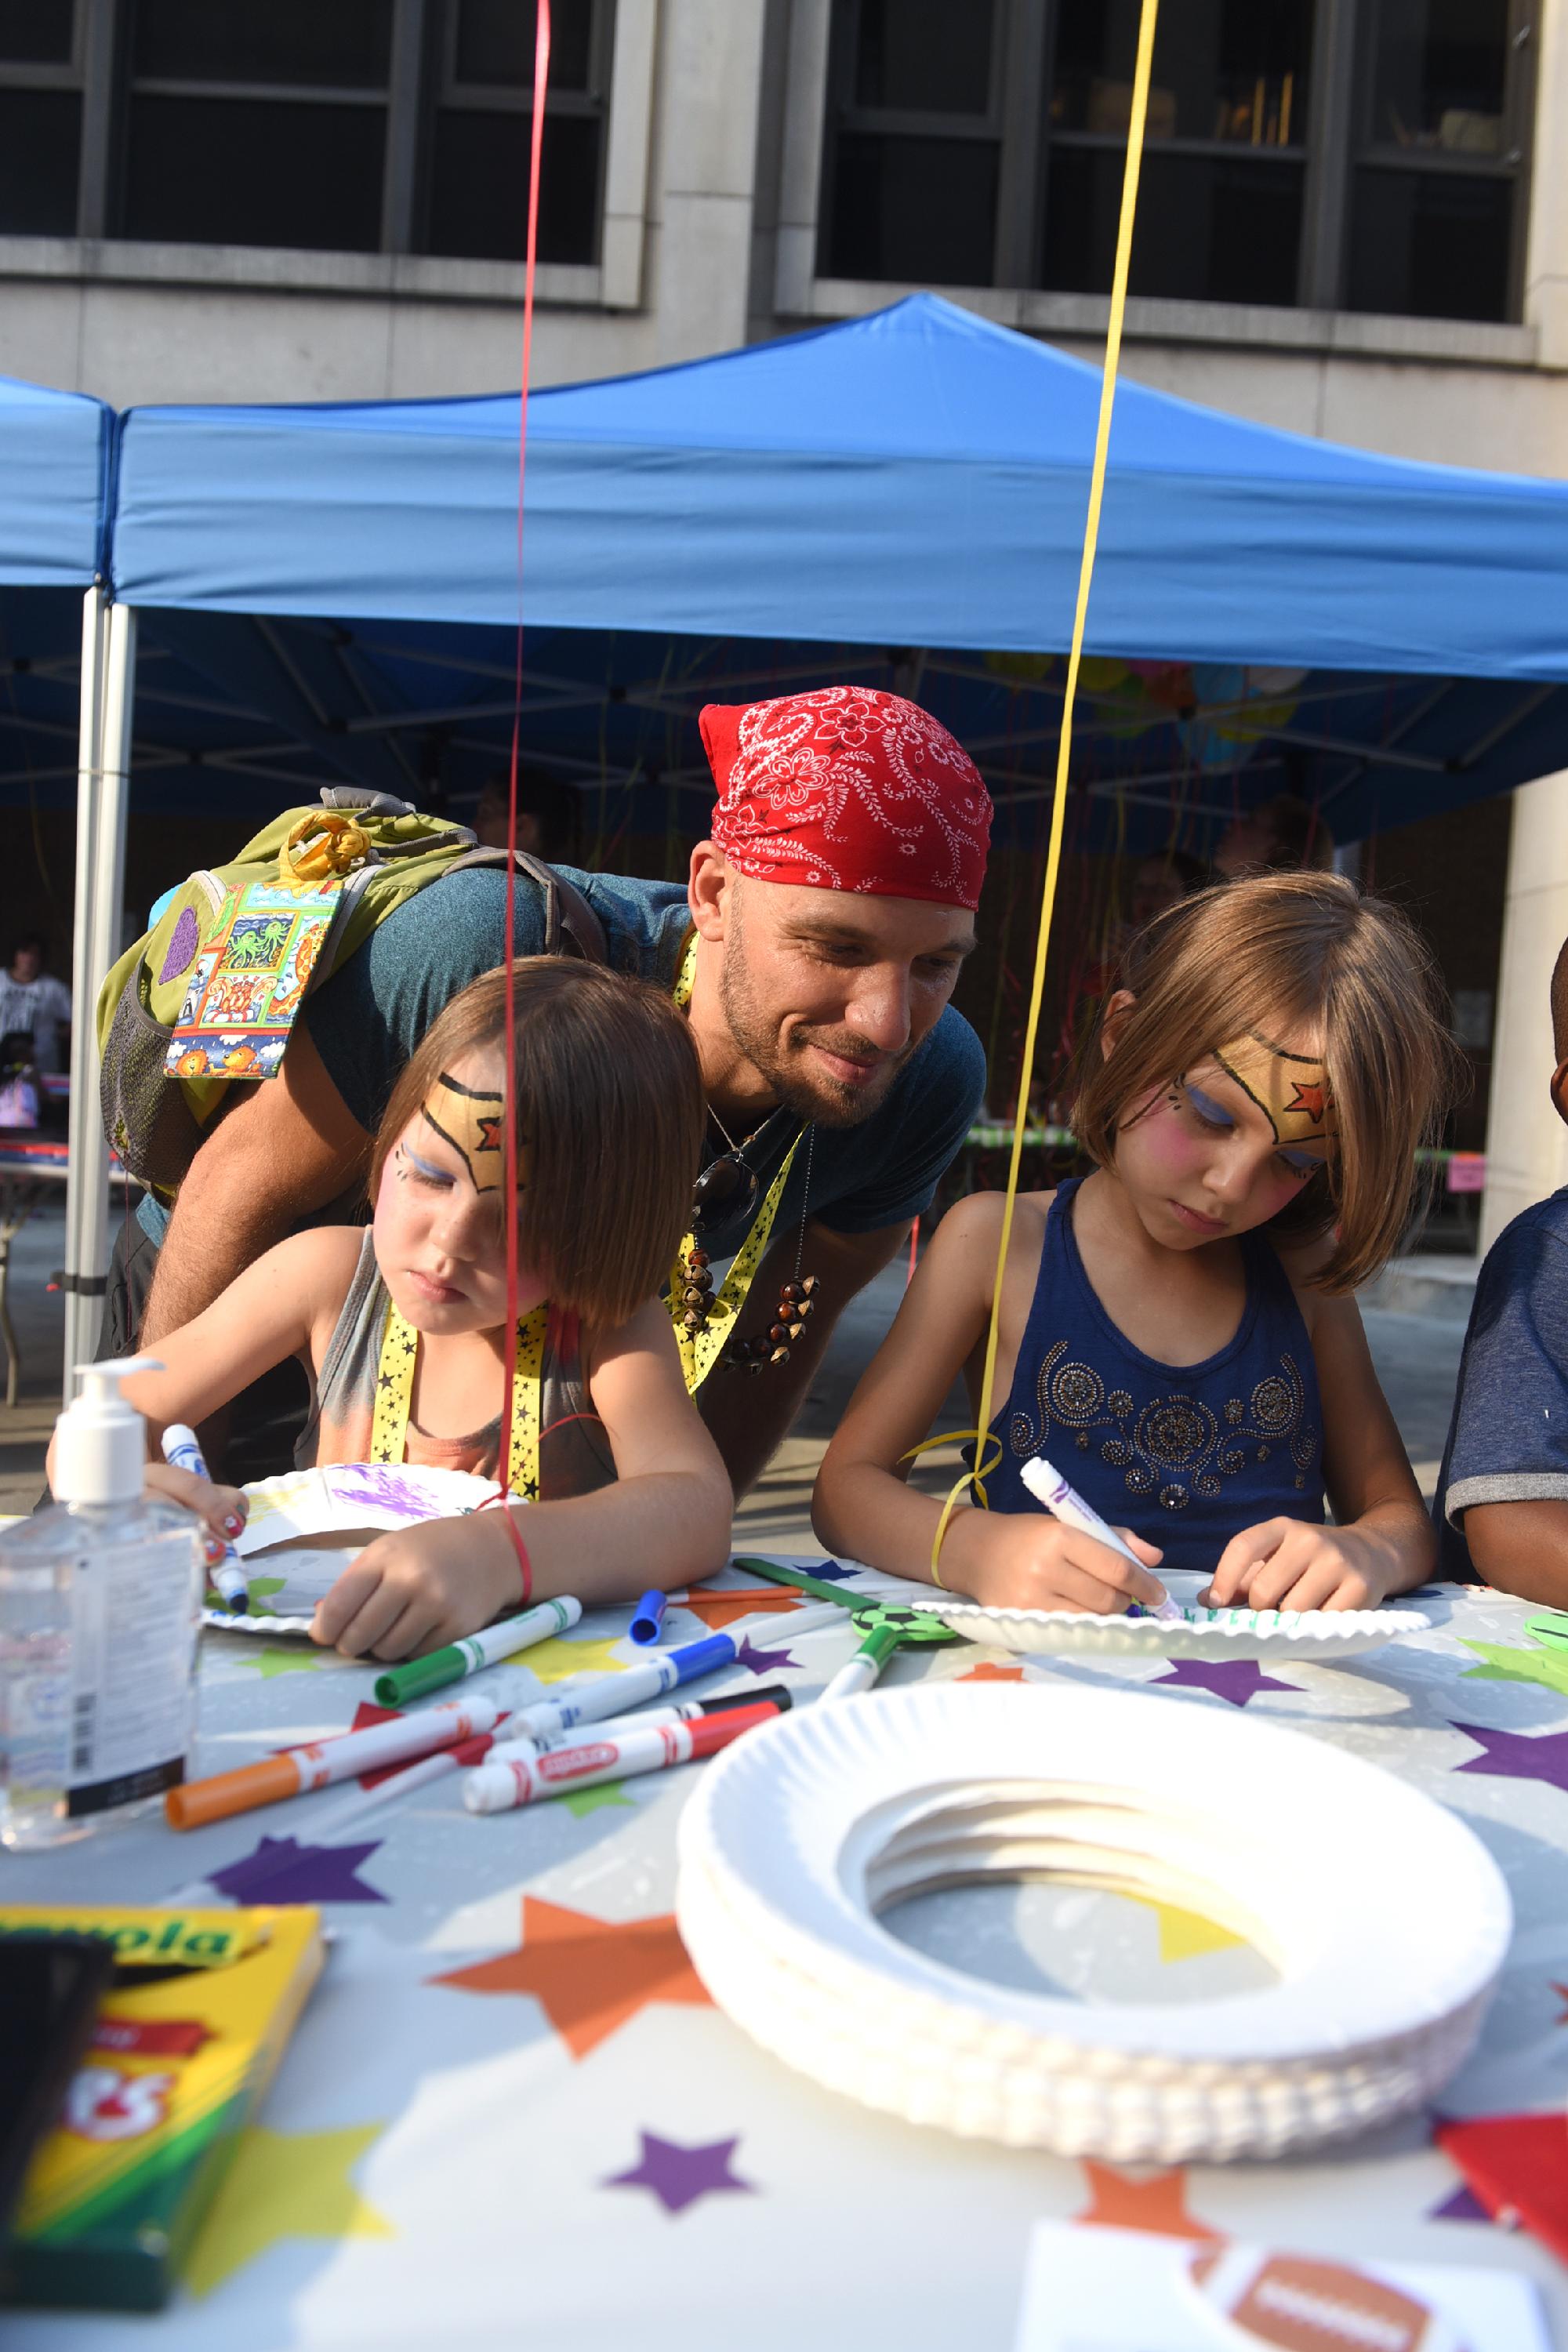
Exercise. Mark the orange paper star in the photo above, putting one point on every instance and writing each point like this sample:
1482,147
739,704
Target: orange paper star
987,1672
588,1975
1157,2203
718,1610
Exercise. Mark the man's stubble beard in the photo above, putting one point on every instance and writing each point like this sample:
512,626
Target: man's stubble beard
809,1100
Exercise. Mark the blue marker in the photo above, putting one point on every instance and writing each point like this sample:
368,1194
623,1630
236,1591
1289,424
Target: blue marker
649,1623
181,1449
613,1694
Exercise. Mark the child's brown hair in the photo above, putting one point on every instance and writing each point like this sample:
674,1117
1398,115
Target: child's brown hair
609,1093
1281,952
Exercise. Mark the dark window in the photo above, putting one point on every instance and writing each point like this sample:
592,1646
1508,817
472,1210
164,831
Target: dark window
222,170
35,31
477,199
40,147
340,125
982,143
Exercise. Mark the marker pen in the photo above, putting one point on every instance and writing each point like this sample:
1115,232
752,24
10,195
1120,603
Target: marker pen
607,1695
228,1577
866,1664
497,1788
485,1648
647,1622
1048,1486
686,1710
326,1760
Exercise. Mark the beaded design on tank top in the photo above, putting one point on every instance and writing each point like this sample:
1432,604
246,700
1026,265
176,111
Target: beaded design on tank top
1185,1454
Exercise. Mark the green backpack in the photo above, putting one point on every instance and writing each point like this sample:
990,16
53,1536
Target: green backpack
209,995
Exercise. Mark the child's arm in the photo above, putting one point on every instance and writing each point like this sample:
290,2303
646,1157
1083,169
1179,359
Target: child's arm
666,1521
1383,1542
862,1504
284,1304
1521,1548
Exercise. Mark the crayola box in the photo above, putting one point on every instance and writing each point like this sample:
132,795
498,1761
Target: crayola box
186,2041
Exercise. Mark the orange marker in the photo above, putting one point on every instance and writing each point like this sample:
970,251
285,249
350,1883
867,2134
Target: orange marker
325,1760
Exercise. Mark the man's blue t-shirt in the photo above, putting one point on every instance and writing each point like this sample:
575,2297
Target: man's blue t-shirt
1508,1442
367,1019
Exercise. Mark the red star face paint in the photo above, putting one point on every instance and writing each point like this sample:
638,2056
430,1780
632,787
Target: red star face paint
1291,1090
471,1121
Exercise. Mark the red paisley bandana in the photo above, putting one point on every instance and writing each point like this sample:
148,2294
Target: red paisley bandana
847,789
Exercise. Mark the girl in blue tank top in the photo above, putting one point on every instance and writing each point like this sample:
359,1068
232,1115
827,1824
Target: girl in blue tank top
1177,1331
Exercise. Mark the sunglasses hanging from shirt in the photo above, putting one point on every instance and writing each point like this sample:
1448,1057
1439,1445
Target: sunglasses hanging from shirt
704,1324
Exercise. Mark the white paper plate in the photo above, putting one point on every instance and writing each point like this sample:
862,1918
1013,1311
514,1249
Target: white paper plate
1385,1917
347,1500
1325,1634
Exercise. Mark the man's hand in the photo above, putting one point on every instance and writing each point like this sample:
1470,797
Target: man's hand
287,1147
748,1413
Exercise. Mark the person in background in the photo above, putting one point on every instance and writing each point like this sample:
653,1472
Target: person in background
546,816
1160,880
31,999
1501,1507
1284,835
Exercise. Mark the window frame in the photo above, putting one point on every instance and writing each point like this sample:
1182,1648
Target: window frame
420,79
1338,145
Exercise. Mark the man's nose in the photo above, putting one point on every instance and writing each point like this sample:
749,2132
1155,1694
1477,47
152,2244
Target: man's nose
879,1010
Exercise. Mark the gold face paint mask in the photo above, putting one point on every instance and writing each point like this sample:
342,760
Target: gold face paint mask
1291,1090
472,1123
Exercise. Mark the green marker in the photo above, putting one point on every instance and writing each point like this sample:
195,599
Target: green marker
487,1648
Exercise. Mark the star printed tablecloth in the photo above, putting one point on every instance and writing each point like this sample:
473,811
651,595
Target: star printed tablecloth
512,2117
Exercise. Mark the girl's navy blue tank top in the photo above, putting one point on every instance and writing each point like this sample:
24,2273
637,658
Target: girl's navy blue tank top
1186,1455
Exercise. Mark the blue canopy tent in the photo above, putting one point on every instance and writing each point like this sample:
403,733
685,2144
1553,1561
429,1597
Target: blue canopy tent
911,480
55,456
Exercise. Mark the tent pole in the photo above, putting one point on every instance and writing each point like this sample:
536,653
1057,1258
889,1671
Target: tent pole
107,676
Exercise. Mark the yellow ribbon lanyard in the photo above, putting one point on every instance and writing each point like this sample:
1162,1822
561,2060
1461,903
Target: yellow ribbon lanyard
700,1350
395,1391
975,1477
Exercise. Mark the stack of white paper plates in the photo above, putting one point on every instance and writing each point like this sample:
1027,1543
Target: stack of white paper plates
1385,1918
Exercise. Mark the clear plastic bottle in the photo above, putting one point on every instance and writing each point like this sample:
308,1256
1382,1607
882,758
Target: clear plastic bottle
100,1610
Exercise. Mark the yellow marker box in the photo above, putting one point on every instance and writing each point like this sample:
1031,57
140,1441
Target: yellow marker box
180,2061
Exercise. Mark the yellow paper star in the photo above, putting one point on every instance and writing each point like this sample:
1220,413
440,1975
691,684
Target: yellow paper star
284,2185
553,1661
1184,1934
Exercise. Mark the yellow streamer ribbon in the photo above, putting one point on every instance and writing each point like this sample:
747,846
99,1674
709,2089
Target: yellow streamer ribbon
395,1394
700,1350
1136,118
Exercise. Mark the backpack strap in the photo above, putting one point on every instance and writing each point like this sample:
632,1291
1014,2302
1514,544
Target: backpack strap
570,926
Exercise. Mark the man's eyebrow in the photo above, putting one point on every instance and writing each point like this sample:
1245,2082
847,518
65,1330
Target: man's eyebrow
831,934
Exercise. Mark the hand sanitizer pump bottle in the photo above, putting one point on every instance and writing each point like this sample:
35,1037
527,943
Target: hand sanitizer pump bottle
100,1610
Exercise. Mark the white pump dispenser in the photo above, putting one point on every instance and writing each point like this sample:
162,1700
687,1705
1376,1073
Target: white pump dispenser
99,1609
101,1442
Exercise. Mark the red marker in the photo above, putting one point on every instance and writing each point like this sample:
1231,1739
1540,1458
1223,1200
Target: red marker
497,1787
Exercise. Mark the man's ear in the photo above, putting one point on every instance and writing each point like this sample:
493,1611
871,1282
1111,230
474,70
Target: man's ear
708,888
1560,1091
1113,1021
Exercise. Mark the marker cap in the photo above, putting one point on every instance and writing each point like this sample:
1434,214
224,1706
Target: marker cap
419,1676
196,1802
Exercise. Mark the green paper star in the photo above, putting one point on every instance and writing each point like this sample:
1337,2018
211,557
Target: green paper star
274,1661
579,1801
1505,1664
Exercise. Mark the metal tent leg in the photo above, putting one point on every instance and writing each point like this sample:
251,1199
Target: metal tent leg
108,698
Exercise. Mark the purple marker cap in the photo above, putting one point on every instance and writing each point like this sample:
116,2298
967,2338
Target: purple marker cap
649,1623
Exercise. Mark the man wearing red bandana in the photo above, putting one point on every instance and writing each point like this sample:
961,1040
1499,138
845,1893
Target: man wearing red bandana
815,941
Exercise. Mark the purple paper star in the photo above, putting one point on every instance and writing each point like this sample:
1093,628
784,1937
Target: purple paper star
281,1870
1513,1758
680,2176
762,1661
1464,2205
1235,1680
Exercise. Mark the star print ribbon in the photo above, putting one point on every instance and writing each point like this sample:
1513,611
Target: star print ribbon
700,1350
394,1392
